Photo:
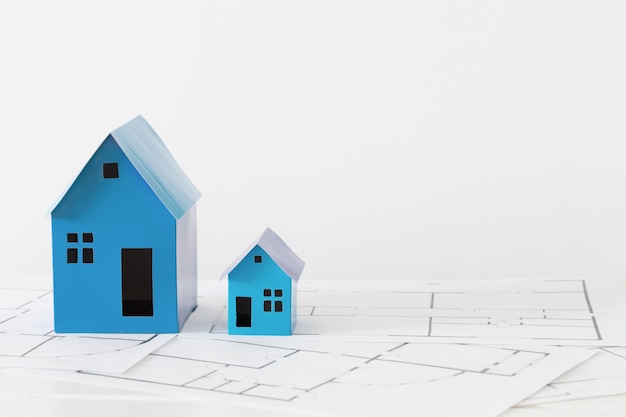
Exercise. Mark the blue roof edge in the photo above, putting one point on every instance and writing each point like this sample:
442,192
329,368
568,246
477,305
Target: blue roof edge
147,152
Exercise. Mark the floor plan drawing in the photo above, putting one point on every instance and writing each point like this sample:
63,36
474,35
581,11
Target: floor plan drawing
553,312
363,348
360,378
264,371
27,338
603,374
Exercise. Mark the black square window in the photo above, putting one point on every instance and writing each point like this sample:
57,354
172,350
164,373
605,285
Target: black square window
87,255
267,306
278,293
88,237
267,293
72,256
258,259
109,170
72,237
278,306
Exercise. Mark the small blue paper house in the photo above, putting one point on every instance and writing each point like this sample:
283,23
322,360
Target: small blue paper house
124,240
262,288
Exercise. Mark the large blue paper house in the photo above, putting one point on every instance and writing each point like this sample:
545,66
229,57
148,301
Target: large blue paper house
262,288
124,240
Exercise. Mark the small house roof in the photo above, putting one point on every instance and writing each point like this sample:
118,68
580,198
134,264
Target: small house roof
281,254
156,165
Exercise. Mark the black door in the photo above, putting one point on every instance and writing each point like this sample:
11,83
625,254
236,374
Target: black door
244,311
137,282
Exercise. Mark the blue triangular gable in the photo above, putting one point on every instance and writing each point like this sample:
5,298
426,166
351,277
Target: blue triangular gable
277,249
156,165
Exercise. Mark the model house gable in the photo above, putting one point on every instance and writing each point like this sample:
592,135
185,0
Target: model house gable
285,258
137,146
108,183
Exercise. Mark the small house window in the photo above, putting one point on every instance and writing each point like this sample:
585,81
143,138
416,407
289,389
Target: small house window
278,304
87,255
258,259
72,256
87,252
109,170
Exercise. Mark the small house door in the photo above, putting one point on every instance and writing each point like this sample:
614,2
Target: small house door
137,282
244,311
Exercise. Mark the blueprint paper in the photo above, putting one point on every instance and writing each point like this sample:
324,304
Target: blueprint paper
603,374
27,338
555,312
344,377
360,347
85,353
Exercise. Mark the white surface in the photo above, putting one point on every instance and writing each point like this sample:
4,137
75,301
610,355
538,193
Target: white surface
28,395
402,139
341,379
27,337
604,374
349,372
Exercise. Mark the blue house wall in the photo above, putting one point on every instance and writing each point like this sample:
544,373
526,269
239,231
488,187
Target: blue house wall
249,279
120,213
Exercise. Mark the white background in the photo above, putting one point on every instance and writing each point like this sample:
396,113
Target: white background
381,140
